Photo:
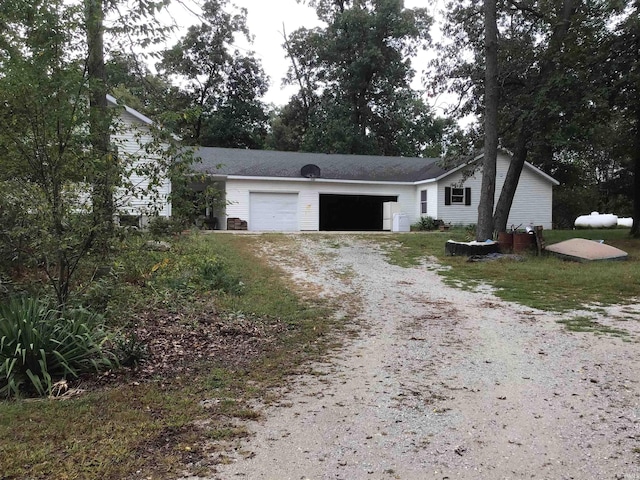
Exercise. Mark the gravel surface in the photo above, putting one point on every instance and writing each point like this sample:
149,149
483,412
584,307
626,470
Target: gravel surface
443,383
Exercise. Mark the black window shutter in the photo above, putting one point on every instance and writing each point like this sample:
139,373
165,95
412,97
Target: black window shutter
447,195
467,196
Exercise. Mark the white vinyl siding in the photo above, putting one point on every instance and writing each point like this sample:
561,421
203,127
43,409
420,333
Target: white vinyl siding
459,212
309,211
309,191
531,205
130,137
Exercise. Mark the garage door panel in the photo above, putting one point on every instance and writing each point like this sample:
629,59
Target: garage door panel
273,212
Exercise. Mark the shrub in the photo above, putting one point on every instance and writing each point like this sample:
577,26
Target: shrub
159,226
470,232
425,224
163,227
192,273
130,350
215,275
39,345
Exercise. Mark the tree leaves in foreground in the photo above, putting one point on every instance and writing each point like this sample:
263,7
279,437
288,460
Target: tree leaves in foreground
45,157
49,173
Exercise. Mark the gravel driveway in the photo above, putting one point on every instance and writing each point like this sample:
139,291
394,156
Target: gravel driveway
443,383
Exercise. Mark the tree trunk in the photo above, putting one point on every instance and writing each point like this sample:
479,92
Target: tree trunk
104,169
485,227
511,182
566,12
58,277
635,229
303,82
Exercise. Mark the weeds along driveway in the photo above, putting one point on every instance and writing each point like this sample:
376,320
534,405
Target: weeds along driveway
442,383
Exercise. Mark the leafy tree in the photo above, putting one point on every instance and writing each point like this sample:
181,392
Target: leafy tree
354,77
623,69
43,153
547,72
219,100
55,192
288,125
132,83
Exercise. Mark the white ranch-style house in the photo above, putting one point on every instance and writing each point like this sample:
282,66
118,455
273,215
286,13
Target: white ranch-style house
289,191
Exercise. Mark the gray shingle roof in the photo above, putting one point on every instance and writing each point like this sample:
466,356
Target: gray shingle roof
269,163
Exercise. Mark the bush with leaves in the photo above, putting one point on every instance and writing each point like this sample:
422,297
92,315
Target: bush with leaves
130,350
470,232
40,345
195,273
425,224
215,275
160,227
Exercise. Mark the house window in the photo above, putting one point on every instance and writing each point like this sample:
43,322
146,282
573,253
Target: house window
457,196
423,201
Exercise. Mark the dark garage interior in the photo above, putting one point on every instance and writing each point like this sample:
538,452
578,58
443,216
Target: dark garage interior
352,212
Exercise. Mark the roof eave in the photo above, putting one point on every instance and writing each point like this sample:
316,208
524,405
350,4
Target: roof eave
143,118
542,174
317,180
425,181
547,177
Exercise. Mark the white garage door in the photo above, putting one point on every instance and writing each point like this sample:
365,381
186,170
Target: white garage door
273,212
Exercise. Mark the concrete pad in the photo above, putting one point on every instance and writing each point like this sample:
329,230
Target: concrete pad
581,249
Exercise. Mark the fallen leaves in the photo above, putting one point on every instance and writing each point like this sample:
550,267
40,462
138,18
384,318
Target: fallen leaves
179,345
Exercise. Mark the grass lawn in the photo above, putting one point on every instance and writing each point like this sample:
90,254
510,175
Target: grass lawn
545,282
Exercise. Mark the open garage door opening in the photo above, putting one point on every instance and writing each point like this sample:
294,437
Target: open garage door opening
352,212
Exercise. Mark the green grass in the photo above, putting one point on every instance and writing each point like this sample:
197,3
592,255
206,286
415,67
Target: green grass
544,282
102,435
587,324
154,429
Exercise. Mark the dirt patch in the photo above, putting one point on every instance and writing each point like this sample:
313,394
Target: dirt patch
174,345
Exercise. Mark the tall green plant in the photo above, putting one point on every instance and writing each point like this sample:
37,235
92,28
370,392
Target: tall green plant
40,345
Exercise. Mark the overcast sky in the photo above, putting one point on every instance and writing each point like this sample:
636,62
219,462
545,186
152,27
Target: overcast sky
265,19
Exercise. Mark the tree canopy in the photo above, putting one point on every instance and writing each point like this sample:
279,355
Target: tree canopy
550,72
355,82
219,98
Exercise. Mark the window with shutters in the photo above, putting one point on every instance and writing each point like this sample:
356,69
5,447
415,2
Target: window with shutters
423,201
457,196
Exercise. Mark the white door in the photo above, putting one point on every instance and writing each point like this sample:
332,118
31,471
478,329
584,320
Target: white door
275,212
